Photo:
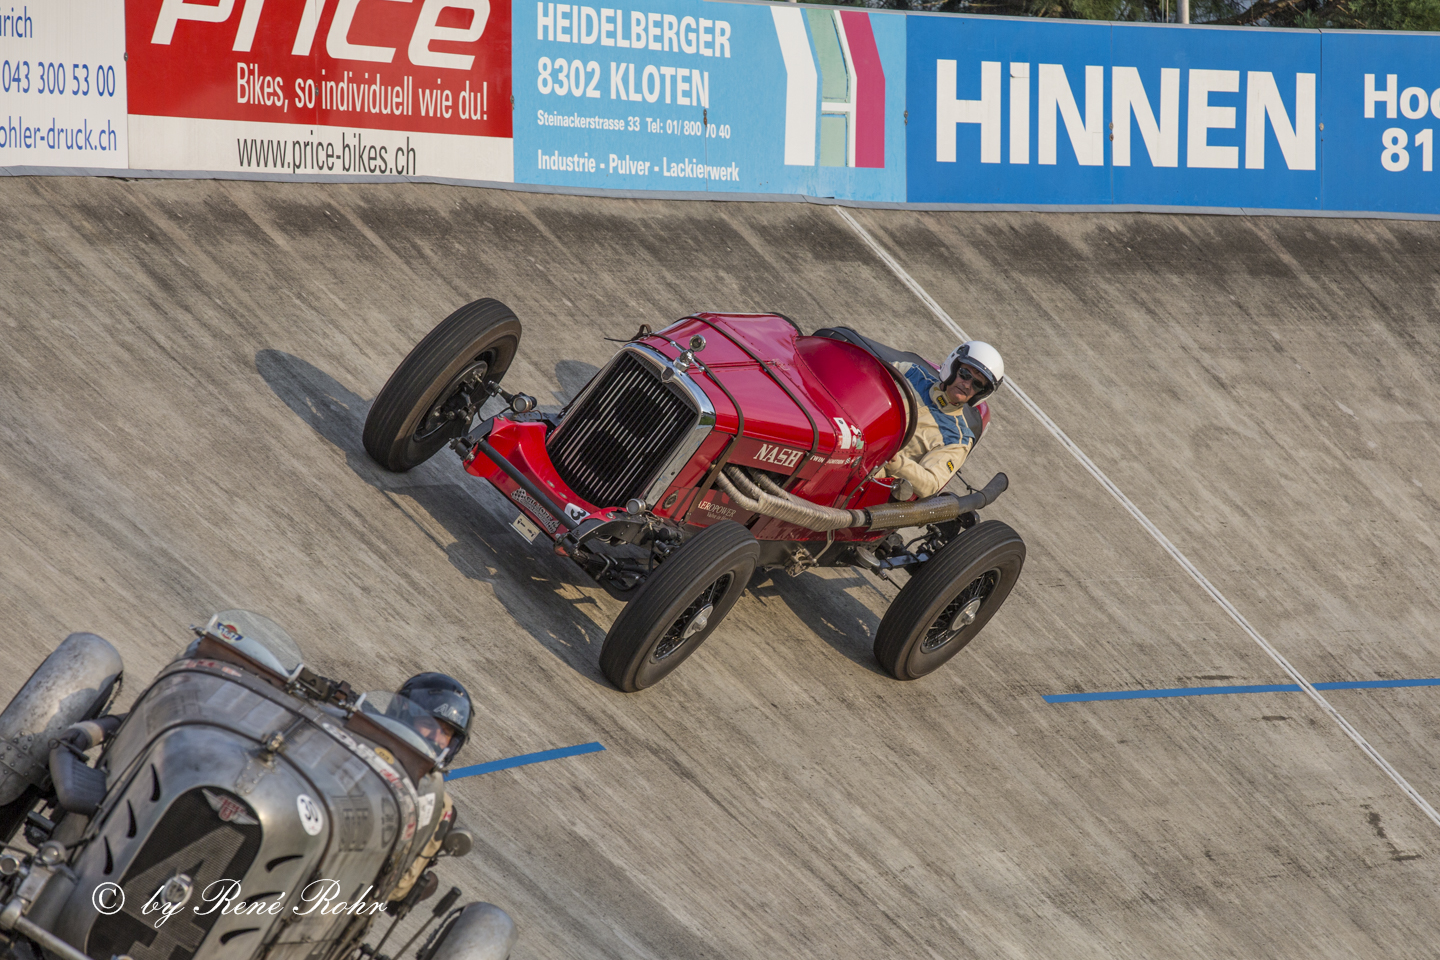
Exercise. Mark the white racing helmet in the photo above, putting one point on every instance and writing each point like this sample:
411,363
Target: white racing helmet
980,357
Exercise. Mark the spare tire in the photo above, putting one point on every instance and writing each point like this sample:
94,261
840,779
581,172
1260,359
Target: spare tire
76,682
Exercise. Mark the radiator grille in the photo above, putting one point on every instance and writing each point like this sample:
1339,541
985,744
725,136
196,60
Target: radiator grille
614,442
190,839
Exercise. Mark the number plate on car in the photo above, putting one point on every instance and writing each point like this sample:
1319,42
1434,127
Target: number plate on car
525,528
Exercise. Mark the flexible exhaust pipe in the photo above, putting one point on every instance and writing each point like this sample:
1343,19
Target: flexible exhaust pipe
764,496
784,506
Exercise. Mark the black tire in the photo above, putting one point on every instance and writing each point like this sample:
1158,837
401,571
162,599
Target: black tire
649,638
407,424
926,624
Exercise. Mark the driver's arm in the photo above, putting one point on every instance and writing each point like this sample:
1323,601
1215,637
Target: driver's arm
427,853
928,471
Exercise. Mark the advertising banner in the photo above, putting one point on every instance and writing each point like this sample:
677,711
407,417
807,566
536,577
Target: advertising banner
1381,108
417,88
729,97
1235,118
704,96
62,84
1026,112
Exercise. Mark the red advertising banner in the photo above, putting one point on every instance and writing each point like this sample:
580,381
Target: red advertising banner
322,86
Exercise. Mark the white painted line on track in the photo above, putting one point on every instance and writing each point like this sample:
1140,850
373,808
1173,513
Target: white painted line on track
1150,528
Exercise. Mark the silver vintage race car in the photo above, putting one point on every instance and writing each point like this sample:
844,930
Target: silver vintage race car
245,808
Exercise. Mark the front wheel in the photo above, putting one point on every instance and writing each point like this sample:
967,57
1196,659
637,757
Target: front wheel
944,606
423,405
678,606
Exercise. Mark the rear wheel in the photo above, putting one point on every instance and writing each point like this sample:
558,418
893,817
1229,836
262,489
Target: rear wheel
678,606
944,606
423,405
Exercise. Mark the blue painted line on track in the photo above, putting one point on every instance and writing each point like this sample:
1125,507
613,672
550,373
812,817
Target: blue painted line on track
523,760
1256,688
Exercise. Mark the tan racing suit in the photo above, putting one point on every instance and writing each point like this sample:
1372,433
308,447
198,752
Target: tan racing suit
945,432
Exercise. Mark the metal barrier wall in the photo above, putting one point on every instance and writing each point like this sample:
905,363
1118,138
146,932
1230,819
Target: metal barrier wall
706,96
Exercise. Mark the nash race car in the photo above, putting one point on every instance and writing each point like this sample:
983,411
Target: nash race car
670,478
245,808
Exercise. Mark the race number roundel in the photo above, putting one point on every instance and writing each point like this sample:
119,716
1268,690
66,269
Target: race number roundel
311,818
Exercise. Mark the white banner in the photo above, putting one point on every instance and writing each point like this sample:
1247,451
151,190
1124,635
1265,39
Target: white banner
244,146
62,84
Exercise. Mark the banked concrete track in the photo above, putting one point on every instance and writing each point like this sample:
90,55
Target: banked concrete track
185,368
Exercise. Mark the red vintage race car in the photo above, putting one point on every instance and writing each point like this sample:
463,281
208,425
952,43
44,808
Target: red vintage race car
701,452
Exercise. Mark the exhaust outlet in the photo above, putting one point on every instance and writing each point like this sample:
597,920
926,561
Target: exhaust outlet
936,509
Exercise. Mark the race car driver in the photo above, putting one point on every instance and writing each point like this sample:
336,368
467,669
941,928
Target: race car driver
439,709
948,423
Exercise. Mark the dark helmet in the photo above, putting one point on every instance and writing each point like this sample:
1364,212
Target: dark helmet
445,698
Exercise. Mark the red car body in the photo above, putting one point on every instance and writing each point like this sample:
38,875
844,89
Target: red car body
820,415
721,445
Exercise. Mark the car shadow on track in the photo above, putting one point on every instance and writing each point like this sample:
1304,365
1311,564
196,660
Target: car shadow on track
540,591
823,603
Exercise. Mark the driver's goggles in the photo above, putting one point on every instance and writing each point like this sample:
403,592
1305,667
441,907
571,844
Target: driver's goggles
970,376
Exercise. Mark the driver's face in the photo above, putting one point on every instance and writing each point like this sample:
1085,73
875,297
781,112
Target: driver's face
966,384
435,730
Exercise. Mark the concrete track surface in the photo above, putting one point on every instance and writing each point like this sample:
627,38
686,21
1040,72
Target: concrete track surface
185,368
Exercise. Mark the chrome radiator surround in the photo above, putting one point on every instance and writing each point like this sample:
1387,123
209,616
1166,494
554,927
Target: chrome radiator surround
670,378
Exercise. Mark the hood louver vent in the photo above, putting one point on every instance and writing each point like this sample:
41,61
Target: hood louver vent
620,433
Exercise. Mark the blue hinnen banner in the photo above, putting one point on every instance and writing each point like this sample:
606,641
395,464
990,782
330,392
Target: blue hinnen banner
1026,112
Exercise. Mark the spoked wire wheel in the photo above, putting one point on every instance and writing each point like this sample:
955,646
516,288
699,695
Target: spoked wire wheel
945,605
961,612
695,618
679,606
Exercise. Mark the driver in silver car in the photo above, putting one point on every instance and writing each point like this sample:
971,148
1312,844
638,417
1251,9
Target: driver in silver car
438,708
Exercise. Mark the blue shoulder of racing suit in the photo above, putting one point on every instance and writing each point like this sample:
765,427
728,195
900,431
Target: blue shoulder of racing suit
954,427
